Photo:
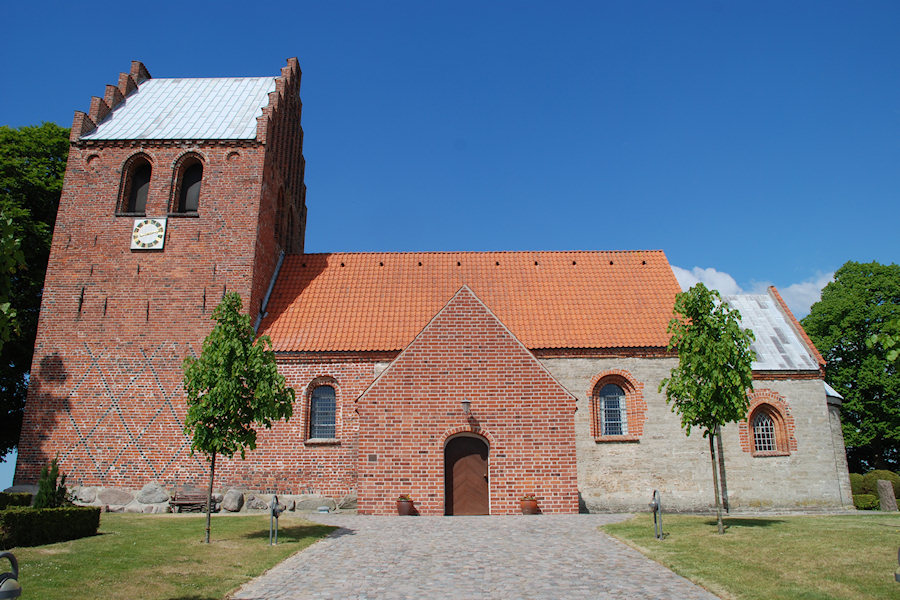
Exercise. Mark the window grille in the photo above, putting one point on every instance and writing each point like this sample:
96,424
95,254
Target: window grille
322,406
764,433
613,416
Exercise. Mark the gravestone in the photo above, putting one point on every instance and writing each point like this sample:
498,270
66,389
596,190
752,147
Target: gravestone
886,495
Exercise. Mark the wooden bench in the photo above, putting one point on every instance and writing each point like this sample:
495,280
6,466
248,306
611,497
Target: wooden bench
189,501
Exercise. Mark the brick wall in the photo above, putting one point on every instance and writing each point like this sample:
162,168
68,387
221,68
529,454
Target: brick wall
409,413
105,393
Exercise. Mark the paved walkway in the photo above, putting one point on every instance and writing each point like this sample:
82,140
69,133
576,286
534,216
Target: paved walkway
500,557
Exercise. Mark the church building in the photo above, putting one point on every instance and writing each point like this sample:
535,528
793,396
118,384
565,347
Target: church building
463,379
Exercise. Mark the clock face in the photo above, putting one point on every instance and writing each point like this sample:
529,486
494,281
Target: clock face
148,234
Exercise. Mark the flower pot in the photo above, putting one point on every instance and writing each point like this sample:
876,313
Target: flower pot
405,508
529,507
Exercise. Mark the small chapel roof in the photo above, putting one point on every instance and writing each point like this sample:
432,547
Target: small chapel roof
224,108
380,301
781,344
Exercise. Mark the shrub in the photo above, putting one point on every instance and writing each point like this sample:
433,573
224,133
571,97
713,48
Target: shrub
14,499
50,494
870,482
866,502
34,527
856,482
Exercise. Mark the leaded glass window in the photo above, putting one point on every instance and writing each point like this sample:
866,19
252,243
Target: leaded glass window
764,432
613,418
322,406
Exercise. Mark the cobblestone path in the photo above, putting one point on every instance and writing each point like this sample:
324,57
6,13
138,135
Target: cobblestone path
500,557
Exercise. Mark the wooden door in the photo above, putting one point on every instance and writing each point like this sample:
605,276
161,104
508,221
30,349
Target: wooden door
466,477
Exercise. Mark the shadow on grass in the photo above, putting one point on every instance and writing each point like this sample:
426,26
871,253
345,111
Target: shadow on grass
292,533
738,522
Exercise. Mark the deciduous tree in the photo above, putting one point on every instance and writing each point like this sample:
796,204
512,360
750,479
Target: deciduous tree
862,302
710,385
232,388
32,164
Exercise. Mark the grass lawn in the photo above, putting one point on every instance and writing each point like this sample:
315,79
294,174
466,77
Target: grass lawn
802,557
161,556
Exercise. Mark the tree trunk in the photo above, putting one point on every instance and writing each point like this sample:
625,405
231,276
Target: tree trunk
712,455
212,472
722,468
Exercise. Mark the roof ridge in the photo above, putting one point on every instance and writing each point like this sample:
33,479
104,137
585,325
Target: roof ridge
414,252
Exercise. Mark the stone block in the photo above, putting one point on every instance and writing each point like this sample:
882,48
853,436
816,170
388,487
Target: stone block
312,502
886,496
233,500
115,496
152,493
347,502
85,495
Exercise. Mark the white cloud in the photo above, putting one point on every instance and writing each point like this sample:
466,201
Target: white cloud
798,296
711,278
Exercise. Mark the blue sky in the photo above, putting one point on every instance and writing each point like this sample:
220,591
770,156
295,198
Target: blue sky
754,142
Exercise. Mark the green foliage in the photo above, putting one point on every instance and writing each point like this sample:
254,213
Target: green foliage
870,482
709,386
866,502
32,164
8,499
34,527
889,339
50,494
860,303
233,386
11,260
856,482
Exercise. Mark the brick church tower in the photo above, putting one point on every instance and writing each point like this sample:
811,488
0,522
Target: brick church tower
176,191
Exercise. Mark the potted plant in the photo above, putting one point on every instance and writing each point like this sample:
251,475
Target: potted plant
405,505
529,505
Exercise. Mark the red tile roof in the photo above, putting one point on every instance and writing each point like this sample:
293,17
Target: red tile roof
380,301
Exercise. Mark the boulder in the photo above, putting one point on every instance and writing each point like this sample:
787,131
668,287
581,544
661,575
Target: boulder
217,497
134,507
257,503
152,493
233,500
114,496
886,495
312,502
85,495
348,502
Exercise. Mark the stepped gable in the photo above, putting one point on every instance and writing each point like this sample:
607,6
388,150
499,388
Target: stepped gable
195,108
380,301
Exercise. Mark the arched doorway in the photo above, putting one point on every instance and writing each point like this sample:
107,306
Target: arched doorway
466,476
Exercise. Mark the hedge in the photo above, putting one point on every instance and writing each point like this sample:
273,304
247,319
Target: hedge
870,482
34,527
8,499
866,502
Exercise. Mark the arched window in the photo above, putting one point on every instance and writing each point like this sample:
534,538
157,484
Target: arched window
613,413
322,409
189,194
768,434
763,432
618,409
136,186
188,180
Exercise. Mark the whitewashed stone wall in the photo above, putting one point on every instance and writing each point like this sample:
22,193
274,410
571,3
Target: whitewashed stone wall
621,476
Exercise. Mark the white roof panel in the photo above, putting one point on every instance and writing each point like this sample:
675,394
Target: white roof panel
777,345
224,108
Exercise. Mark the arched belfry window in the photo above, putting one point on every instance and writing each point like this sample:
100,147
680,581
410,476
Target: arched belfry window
135,185
188,179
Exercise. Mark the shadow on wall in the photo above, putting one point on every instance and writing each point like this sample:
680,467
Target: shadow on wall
48,409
